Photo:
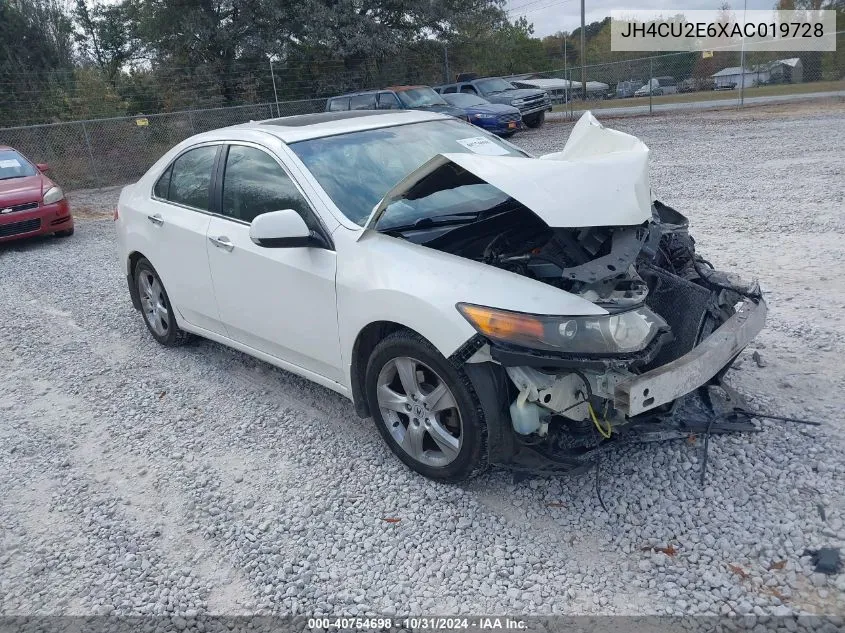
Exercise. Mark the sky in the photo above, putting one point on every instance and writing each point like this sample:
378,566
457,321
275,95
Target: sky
551,16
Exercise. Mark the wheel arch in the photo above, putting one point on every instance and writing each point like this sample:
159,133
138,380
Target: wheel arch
131,263
362,348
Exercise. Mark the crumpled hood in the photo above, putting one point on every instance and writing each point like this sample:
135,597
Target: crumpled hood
600,178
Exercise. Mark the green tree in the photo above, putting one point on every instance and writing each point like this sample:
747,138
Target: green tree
105,36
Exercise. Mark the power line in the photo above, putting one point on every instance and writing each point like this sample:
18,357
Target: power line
545,6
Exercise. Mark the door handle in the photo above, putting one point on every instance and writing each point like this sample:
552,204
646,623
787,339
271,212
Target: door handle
222,242
156,219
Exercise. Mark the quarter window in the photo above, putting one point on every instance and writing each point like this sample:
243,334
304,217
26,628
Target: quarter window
254,183
338,105
163,184
190,177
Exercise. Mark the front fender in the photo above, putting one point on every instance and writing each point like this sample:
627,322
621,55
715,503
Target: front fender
384,278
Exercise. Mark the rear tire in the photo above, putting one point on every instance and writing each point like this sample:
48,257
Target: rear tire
155,306
535,120
426,409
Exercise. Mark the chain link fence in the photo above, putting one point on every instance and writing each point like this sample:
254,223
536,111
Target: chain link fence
115,151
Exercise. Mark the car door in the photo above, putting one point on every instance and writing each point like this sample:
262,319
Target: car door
176,224
280,301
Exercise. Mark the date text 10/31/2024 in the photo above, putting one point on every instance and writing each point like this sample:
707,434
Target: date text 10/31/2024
419,623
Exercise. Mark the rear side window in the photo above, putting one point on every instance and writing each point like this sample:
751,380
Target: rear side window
450,89
254,183
362,102
338,105
190,177
469,90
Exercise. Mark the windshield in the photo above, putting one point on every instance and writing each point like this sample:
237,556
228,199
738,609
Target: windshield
464,100
13,165
419,97
357,169
494,85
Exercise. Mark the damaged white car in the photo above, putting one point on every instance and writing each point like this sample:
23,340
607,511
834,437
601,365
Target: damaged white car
483,306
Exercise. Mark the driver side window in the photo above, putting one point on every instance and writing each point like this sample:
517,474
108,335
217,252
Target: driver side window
254,183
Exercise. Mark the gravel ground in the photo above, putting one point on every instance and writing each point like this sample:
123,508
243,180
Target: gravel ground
141,480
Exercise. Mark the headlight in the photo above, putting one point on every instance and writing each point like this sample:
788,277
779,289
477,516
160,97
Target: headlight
620,333
54,194
483,116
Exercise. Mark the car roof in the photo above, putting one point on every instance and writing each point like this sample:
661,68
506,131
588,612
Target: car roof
308,126
387,89
355,94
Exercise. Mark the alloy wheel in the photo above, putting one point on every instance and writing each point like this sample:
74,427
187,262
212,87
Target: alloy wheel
420,411
153,303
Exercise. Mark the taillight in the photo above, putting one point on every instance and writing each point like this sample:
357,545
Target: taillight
116,215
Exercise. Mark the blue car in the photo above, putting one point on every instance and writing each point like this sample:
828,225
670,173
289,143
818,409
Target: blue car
497,118
494,117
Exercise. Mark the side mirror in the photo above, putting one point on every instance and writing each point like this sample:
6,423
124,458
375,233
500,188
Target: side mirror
284,229
42,167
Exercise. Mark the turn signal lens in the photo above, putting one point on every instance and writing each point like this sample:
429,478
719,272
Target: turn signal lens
597,335
502,324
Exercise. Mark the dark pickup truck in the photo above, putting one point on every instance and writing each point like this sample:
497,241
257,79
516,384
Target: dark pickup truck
531,102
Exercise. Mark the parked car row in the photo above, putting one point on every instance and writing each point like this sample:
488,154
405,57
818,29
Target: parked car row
490,103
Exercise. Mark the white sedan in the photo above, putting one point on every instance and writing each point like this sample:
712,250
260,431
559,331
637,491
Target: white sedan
483,306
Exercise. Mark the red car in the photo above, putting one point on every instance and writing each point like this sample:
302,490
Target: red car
30,203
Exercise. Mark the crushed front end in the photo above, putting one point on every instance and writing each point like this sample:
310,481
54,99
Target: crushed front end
649,369
645,329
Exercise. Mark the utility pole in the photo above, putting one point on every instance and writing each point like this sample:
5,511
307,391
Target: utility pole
565,76
583,57
742,59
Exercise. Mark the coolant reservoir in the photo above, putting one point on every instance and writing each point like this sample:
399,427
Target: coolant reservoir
525,416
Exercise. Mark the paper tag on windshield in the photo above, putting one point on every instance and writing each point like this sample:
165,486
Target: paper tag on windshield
9,164
481,145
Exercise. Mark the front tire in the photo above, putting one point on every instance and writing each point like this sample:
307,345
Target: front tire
67,233
535,120
426,409
155,306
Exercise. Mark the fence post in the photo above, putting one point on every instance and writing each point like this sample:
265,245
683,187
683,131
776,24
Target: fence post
91,155
650,82
191,121
275,94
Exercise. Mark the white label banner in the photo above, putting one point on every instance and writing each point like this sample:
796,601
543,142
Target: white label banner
722,30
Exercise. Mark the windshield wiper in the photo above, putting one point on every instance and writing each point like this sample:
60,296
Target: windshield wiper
441,220
447,219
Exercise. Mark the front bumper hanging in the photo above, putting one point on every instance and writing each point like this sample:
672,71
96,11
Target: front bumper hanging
683,375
